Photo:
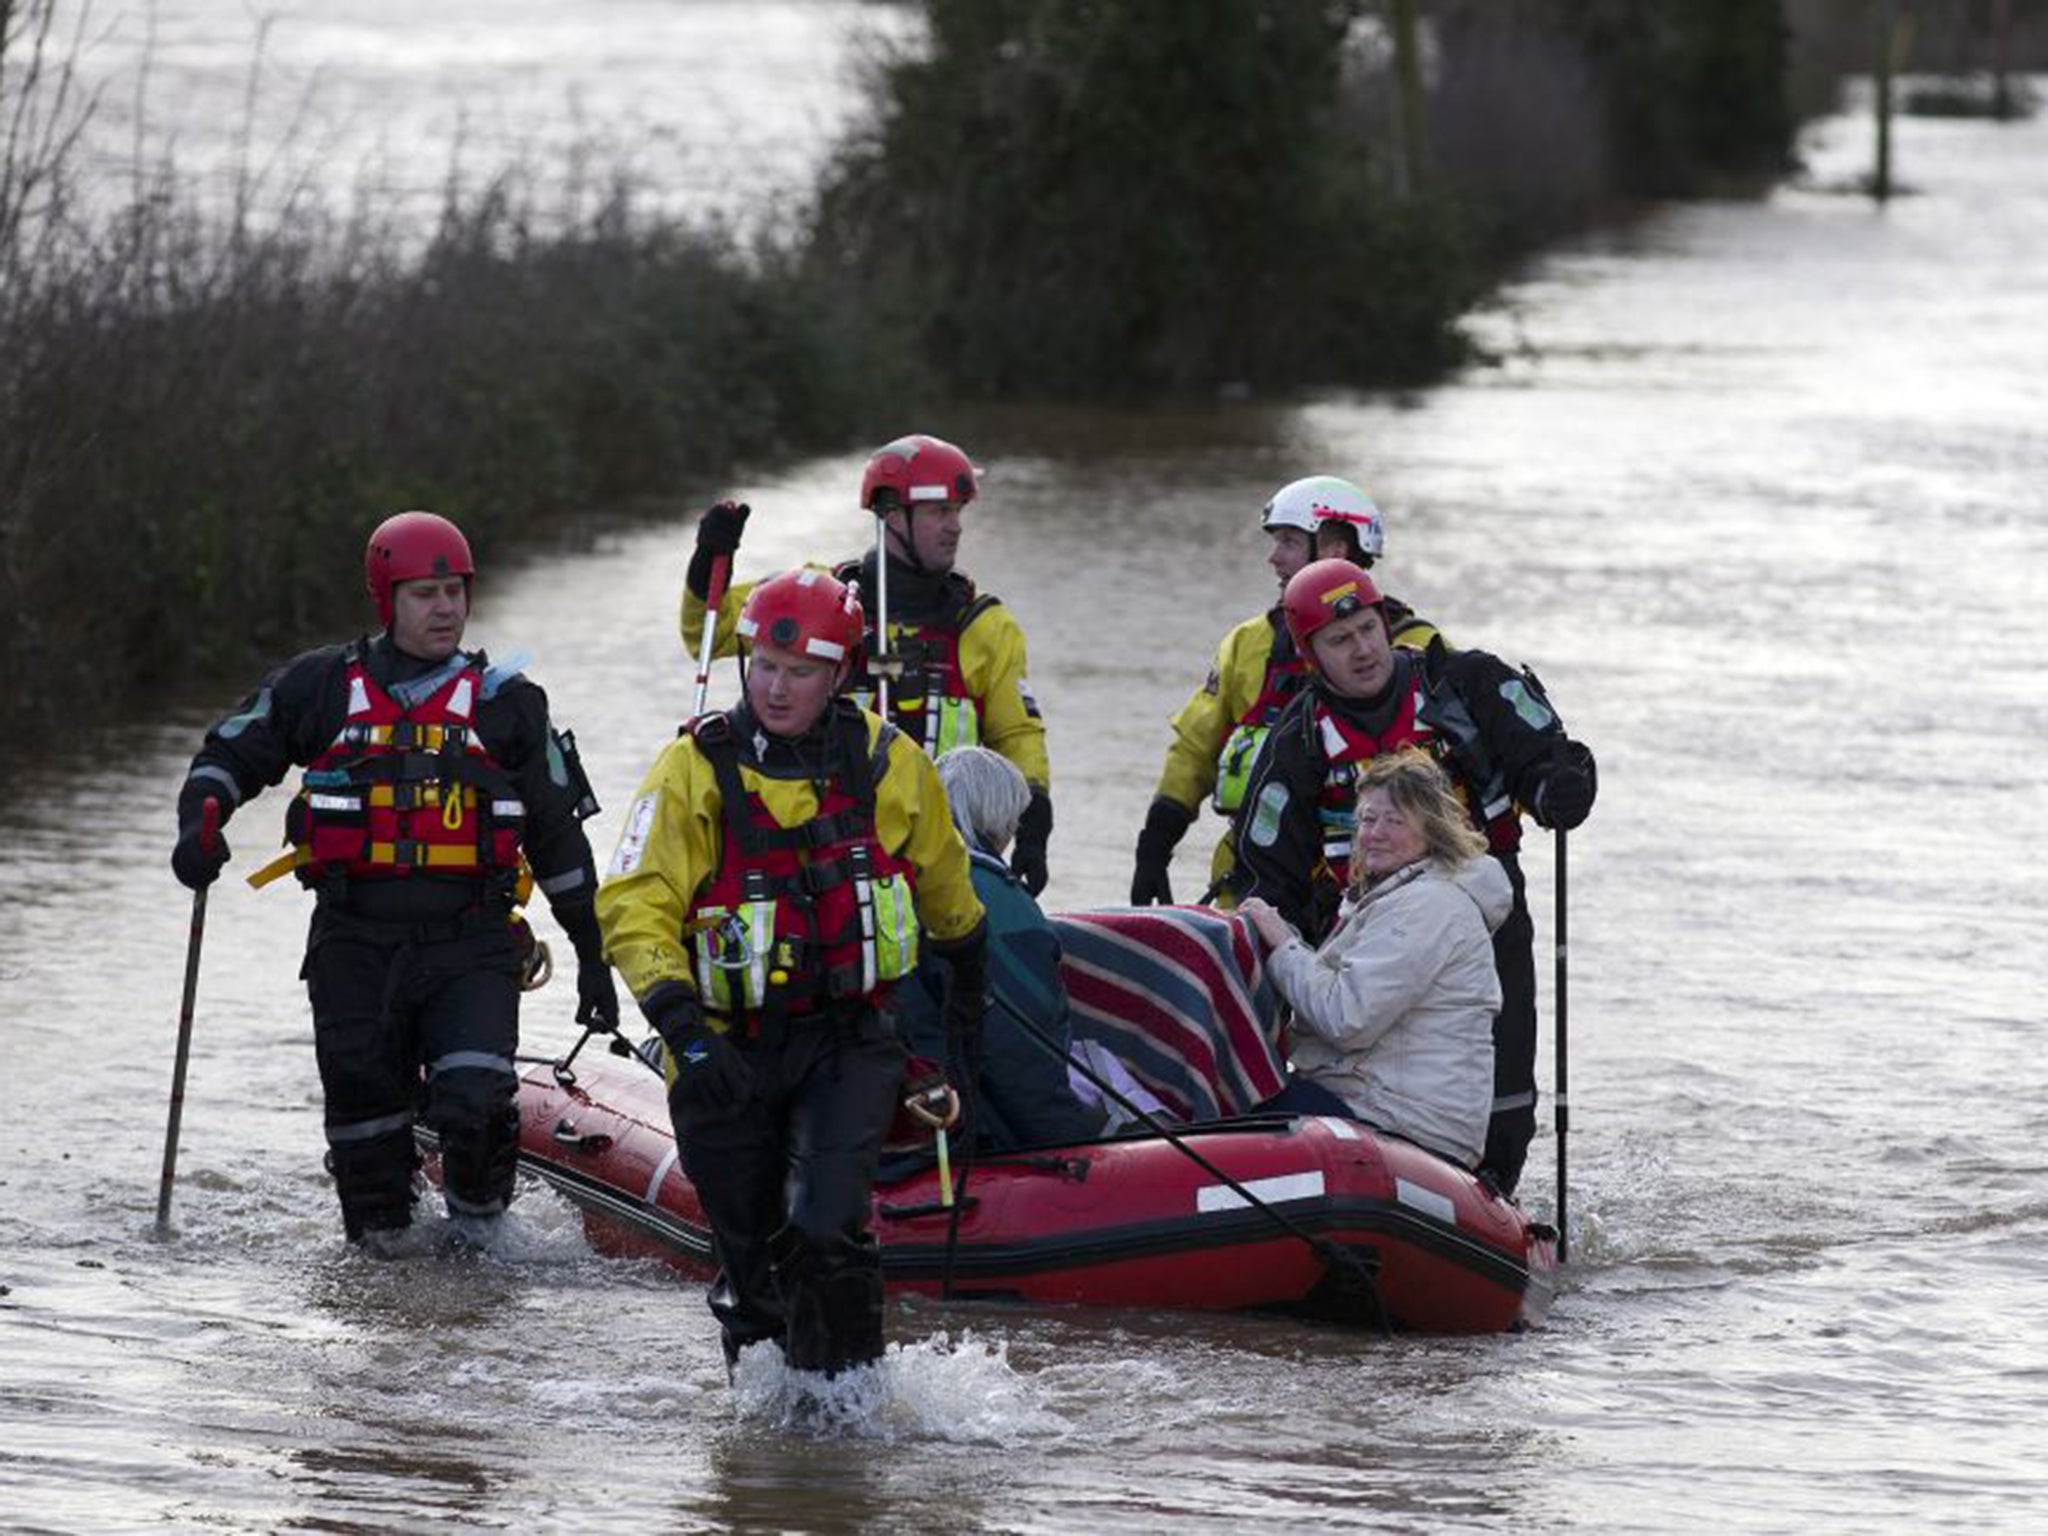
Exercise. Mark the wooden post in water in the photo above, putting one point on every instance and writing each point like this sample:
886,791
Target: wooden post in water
1401,20
1881,81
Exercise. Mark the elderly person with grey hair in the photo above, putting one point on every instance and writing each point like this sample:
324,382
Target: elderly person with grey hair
1023,1097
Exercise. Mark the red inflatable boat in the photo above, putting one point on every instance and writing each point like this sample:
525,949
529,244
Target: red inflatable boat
1130,1221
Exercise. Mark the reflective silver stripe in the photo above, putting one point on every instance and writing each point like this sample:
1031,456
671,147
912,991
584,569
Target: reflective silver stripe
554,885
479,1061
1500,807
460,1207
864,894
1508,1101
221,775
667,1162
1333,739
508,807
365,1130
334,802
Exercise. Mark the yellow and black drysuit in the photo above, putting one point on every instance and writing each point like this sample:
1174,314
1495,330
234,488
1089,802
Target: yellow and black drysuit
424,784
1218,732
962,680
1503,746
766,895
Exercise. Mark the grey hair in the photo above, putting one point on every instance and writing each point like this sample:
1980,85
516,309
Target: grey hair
987,795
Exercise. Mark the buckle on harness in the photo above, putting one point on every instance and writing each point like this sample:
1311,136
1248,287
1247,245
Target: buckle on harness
735,948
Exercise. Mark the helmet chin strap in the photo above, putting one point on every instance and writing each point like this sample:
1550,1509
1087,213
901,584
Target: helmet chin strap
908,539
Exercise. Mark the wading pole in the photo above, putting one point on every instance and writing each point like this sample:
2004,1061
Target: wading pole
714,599
1561,1102
880,665
209,829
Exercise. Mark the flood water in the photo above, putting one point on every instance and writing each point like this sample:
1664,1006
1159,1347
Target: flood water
1759,491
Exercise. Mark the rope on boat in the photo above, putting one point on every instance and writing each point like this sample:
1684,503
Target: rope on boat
1348,1267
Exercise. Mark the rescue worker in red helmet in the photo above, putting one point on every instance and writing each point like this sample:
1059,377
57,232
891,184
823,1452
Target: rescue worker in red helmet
430,773
1216,734
779,871
1493,730
957,664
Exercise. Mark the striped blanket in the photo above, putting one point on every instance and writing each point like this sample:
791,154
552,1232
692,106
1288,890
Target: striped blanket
1180,995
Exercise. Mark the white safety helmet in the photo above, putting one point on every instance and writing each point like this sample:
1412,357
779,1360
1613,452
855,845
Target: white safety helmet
1318,499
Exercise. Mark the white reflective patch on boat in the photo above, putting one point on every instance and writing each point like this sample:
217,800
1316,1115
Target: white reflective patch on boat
1337,1125
653,1196
1427,1200
1285,1186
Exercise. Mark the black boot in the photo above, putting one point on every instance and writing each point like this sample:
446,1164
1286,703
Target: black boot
832,1296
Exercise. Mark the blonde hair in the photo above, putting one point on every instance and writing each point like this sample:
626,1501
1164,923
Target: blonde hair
1420,791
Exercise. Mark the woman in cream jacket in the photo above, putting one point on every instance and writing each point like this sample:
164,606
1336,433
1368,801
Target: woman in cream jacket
1393,1016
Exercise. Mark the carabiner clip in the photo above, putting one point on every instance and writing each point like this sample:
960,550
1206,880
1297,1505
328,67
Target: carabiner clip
735,949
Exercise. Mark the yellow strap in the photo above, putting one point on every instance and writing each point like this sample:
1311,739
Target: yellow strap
277,868
438,855
430,736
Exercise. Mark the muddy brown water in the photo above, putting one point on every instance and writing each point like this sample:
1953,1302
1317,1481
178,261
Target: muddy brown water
1759,493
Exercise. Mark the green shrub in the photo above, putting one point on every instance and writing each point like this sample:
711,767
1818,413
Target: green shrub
1076,197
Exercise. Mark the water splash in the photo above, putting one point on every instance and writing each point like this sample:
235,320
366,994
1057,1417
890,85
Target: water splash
965,1393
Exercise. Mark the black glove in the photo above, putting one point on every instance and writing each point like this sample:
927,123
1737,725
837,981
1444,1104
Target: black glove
1565,797
597,999
1165,824
718,534
710,1072
966,1002
197,859
1034,831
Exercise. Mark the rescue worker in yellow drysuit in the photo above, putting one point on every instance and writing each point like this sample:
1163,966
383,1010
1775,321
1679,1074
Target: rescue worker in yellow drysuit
1257,670
779,869
956,665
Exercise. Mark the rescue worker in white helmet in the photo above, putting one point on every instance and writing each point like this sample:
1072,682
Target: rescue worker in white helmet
1490,727
1217,732
957,664
780,869
430,774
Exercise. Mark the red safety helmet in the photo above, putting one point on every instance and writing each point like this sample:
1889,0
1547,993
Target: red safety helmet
807,611
1322,592
913,469
408,546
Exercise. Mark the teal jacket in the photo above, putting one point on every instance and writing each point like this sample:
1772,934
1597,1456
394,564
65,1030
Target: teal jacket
1024,1097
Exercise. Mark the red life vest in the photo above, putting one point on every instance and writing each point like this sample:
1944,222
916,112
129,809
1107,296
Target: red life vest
929,701
404,791
795,917
1345,746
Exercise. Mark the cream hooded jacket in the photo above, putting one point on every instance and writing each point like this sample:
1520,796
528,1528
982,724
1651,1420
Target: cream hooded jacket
1394,1014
